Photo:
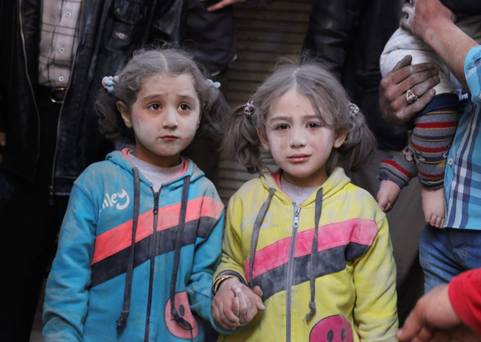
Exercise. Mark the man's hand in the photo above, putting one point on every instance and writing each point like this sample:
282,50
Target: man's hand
222,4
434,319
235,304
420,78
421,17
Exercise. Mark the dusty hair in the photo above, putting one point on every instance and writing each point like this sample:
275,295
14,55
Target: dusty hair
144,64
327,97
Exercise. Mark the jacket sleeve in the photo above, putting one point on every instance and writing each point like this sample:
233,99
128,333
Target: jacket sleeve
66,294
232,259
465,297
207,254
374,273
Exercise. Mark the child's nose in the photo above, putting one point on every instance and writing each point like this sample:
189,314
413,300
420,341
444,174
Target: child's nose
297,138
170,119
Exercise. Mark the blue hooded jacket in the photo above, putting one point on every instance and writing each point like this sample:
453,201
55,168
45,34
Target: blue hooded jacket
103,287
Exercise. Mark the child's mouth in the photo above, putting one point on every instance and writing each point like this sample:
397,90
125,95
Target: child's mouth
169,137
298,158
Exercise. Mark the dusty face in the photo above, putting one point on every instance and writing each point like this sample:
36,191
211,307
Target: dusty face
164,118
298,141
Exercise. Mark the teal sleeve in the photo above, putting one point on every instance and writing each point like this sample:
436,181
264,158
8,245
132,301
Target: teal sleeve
66,294
207,254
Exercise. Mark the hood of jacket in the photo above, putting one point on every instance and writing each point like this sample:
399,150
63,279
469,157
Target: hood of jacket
333,184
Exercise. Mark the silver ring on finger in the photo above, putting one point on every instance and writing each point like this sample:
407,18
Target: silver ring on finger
411,97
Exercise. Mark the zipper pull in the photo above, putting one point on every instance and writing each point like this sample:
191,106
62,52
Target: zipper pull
156,202
297,211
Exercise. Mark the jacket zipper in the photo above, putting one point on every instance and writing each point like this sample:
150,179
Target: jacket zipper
290,271
152,245
29,81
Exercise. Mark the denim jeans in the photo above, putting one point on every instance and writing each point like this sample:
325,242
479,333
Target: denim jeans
444,253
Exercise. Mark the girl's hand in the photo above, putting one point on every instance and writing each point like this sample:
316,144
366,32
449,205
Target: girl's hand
225,305
235,304
250,302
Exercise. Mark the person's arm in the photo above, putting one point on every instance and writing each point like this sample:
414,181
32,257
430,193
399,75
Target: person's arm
207,254
431,21
229,272
444,310
66,293
464,293
375,313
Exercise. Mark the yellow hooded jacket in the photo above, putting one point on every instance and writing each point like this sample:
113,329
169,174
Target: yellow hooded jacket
344,291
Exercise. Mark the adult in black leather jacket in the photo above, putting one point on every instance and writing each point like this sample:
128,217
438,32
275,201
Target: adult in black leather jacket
32,175
110,31
348,36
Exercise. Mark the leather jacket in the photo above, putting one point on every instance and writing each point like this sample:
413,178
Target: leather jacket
110,30
348,36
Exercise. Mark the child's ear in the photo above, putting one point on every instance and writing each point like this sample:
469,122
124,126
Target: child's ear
263,138
340,139
124,113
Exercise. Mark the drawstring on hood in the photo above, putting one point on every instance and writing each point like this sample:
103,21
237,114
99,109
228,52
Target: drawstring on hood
255,233
178,242
312,276
122,321
255,236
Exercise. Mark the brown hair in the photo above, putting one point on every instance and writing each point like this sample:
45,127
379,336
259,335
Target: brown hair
329,100
146,63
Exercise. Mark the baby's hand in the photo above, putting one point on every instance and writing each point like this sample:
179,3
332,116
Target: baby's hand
235,304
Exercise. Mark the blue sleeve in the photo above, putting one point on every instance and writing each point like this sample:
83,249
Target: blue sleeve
66,294
472,71
207,255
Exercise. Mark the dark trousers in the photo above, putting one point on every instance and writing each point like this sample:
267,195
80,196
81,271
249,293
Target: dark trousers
30,219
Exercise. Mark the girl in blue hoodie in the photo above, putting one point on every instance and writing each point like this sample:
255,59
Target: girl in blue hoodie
143,229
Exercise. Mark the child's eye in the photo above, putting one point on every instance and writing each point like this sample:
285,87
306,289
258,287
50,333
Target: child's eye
314,124
281,126
154,106
184,107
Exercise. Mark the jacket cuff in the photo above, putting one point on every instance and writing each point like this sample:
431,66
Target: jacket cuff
464,301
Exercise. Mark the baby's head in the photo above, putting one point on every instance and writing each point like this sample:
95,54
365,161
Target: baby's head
158,100
303,115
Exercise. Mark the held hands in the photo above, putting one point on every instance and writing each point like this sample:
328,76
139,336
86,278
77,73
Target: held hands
419,78
235,304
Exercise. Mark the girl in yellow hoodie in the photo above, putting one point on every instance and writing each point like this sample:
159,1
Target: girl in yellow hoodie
306,255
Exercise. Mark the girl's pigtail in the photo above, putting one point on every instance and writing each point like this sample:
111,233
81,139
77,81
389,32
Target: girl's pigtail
214,110
360,142
241,139
110,121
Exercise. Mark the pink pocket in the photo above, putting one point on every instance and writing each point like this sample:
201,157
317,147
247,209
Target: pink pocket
332,329
183,308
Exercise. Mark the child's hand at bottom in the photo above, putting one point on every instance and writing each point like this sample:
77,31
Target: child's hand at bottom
250,302
235,304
